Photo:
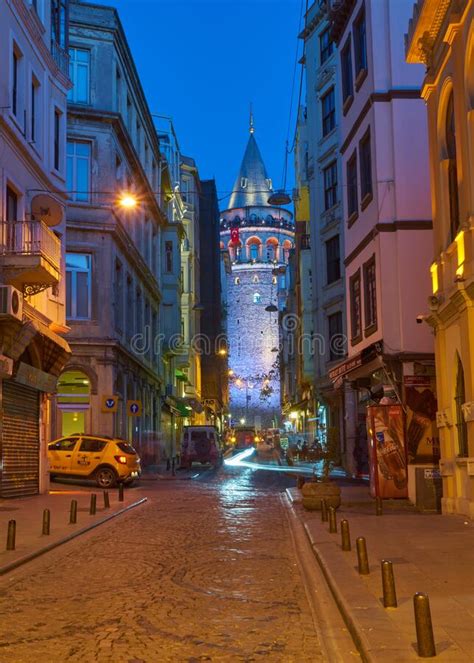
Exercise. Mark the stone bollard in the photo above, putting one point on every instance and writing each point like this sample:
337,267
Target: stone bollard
388,585
332,520
324,511
424,627
73,513
120,499
106,500
362,559
46,522
378,506
93,506
11,535
345,535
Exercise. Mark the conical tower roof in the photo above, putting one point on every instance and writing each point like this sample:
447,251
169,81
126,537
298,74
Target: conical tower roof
252,186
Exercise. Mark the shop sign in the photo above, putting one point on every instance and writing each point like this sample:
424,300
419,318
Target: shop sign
109,403
387,453
345,367
134,408
33,377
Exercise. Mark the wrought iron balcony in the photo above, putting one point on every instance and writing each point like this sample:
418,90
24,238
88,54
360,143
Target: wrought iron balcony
61,57
30,255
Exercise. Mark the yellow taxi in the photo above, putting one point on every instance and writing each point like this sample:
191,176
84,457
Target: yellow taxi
105,459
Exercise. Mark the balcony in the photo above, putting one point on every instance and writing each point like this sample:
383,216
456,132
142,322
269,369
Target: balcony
61,57
30,255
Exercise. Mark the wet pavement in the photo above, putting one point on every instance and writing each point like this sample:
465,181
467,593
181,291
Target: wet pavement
204,571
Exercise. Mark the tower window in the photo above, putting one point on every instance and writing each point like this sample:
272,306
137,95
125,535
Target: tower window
243,182
256,279
237,280
257,298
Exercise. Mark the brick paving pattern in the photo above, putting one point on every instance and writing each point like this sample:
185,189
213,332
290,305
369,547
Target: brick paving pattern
202,572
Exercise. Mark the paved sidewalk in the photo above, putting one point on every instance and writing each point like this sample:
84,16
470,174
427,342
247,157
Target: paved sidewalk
430,553
28,514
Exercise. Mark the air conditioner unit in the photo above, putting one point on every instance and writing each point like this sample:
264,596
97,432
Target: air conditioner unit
11,302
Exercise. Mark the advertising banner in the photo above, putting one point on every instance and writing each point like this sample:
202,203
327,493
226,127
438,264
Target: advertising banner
387,452
422,432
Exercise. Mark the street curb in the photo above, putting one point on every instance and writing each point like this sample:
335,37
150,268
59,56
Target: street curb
370,652
11,566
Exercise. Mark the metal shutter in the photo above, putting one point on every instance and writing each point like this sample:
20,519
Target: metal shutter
20,441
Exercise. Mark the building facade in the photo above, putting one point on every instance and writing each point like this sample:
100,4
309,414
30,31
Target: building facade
441,38
213,348
388,237
113,381
319,177
33,87
259,238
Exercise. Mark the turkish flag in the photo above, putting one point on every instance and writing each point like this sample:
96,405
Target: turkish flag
234,235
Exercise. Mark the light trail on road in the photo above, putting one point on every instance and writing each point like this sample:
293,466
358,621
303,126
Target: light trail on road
239,461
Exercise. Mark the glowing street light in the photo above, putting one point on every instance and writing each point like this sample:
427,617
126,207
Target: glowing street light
230,372
222,352
128,201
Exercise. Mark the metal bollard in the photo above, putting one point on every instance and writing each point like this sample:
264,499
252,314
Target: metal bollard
73,513
388,585
11,535
324,511
46,522
332,520
345,535
378,506
120,492
424,627
93,506
106,500
362,559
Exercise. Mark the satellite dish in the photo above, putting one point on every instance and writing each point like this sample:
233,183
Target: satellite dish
47,209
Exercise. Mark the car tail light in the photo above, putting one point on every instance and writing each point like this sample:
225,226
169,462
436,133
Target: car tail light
121,459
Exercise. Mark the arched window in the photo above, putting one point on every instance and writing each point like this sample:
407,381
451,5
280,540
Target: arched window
256,279
254,252
460,399
450,139
287,246
257,298
237,280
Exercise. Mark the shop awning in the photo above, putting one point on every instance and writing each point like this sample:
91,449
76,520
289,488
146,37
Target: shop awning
354,368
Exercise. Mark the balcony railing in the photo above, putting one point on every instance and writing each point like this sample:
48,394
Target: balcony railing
61,57
30,238
305,242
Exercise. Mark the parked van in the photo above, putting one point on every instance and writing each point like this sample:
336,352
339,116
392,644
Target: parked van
245,437
200,444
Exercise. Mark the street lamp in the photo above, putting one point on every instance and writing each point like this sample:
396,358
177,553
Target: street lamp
128,201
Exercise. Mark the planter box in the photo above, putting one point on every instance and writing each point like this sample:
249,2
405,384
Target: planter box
313,492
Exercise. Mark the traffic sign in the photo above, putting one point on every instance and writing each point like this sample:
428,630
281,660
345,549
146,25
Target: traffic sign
134,408
109,403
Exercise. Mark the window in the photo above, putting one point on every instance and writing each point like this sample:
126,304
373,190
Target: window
57,138
326,45
257,298
34,109
138,130
271,252
237,280
254,251
78,159
12,205
333,260
79,73
118,90
328,112
67,444
370,295
346,72
15,71
118,298
355,307
169,257
365,159
360,45
460,399
59,22
130,306
139,312
330,185
92,446
352,196
336,349
243,182
78,286
450,137
185,190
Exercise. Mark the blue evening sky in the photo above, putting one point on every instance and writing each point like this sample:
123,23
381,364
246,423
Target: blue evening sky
203,61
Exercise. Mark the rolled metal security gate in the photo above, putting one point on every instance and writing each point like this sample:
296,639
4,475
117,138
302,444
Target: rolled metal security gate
20,443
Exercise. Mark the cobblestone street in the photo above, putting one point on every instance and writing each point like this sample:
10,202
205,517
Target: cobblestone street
204,571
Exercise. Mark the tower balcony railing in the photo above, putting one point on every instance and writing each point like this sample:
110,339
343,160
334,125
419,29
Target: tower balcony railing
258,221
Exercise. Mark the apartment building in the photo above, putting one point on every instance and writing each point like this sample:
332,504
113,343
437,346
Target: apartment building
33,87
